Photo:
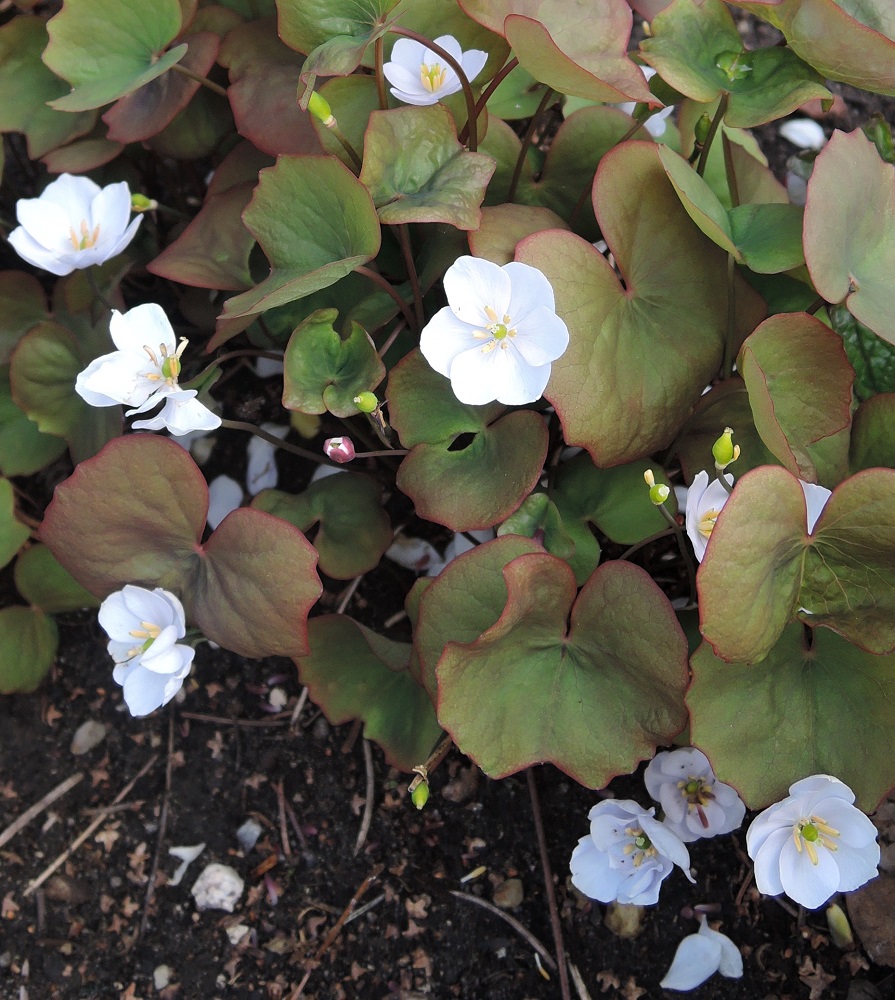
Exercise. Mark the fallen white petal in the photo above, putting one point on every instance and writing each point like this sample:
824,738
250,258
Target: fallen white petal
187,856
804,133
224,496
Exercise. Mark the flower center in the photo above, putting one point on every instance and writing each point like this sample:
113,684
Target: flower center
148,632
707,522
432,77
87,239
808,833
497,332
169,367
698,793
640,845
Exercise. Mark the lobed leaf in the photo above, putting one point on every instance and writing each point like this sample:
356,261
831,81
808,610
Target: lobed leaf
28,642
46,585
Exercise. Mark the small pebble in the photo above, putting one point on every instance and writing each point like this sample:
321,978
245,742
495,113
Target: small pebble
217,888
88,735
161,976
248,835
237,932
508,895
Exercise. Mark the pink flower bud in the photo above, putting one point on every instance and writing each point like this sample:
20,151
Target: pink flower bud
340,449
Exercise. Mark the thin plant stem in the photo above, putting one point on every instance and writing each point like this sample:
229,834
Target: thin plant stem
499,77
391,338
353,154
642,544
247,353
216,87
727,363
240,425
402,231
732,185
722,480
681,538
548,886
816,305
378,47
94,287
384,453
377,278
713,128
456,67
526,142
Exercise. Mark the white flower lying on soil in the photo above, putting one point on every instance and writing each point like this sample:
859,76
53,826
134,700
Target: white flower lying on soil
700,956
420,76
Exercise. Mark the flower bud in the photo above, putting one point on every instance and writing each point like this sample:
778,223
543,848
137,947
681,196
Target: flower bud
420,795
339,449
701,129
366,402
649,478
659,493
140,203
320,109
724,450
840,928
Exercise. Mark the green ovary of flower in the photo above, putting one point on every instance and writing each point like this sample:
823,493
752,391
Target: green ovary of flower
808,833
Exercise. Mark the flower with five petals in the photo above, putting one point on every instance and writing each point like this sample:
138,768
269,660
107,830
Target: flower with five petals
420,76
73,224
498,334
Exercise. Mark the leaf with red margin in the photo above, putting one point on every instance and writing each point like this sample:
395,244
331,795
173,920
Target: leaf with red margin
849,230
591,683
145,112
135,514
263,79
800,387
610,391
761,566
353,673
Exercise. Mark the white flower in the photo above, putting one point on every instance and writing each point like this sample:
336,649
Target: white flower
813,844
701,955
144,626
696,804
73,224
704,503
261,469
147,360
627,854
656,123
181,413
421,76
498,334
804,133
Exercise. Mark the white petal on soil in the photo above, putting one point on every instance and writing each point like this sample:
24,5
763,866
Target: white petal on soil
224,496
804,133
261,472
187,856
416,554
696,959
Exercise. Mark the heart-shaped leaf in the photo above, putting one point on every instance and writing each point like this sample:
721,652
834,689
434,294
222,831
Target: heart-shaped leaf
469,467
695,46
353,530
46,585
353,673
323,371
417,171
761,565
800,387
591,684
28,87
816,705
848,40
23,448
109,48
503,226
13,534
23,305
305,250
249,587
611,397
28,642
850,230
873,434
263,77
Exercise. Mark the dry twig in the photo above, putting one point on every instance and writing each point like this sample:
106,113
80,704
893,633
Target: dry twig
162,827
38,807
280,719
520,929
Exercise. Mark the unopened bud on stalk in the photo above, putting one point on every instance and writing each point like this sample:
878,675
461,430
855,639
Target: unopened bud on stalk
724,450
420,795
320,109
140,203
339,449
366,402
701,130
840,928
658,492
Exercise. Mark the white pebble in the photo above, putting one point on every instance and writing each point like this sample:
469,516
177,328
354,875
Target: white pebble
87,736
217,888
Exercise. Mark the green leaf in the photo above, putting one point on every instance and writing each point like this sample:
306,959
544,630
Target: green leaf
610,395
249,587
23,305
109,48
462,602
873,434
589,683
13,534
42,375
46,585
504,226
540,516
353,673
198,130
800,387
872,358
761,566
352,100
850,230
291,215
417,171
353,530
834,37
823,708
323,371
28,86
24,450
697,49
517,96
469,467
28,641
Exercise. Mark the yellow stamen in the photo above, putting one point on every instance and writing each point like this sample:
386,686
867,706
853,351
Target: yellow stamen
812,852
707,522
87,239
432,77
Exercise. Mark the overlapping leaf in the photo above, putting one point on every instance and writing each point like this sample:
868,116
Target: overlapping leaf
873,434
591,684
815,705
28,642
249,587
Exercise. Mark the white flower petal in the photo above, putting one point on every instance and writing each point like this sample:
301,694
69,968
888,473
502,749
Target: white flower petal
591,873
472,285
181,414
702,497
473,62
116,618
731,963
47,223
542,339
529,290
815,500
142,326
804,881
696,959
804,133
35,253
766,859
224,496
110,209
443,338
73,192
478,378
145,691
261,470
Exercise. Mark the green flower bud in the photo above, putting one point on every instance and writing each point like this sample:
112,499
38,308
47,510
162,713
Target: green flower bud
840,928
420,795
140,203
701,129
723,449
320,109
366,402
659,493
